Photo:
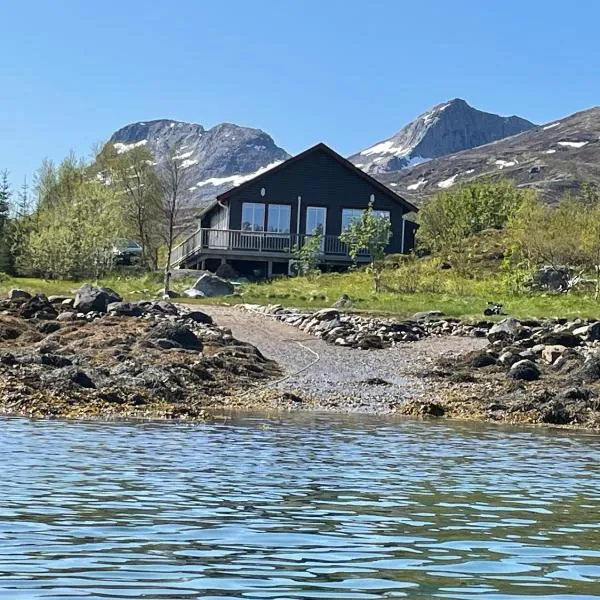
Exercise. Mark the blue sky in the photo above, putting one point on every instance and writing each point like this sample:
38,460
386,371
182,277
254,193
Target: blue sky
344,72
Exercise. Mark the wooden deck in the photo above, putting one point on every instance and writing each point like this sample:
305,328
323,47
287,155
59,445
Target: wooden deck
253,245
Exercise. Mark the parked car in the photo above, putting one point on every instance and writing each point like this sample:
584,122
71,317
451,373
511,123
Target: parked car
127,252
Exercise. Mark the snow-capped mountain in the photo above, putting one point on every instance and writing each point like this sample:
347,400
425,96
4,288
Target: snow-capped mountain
446,128
213,160
555,159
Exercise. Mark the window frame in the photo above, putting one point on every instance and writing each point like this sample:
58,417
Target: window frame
253,224
376,212
279,208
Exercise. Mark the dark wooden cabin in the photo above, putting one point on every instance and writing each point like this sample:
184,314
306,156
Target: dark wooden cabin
255,226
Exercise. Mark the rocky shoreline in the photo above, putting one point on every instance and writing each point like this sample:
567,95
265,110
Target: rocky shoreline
544,372
95,356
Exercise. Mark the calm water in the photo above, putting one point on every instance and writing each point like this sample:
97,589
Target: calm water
307,507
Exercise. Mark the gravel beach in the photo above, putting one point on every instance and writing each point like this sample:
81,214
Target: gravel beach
339,378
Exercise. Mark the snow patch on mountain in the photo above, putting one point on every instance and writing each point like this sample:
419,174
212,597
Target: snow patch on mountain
235,180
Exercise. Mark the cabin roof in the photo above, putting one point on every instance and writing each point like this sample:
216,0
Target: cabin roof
339,158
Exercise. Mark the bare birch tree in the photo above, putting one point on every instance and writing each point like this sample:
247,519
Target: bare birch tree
172,178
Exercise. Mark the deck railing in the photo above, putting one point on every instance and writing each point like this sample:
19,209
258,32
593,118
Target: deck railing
211,241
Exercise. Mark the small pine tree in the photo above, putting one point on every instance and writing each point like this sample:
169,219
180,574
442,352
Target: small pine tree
6,257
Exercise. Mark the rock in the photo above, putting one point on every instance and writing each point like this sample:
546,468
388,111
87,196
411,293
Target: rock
508,359
67,316
581,331
48,327
428,314
556,414
505,330
370,342
590,371
226,271
594,331
326,314
167,294
91,298
173,332
560,338
8,358
166,307
58,299
199,317
125,309
68,302
482,360
38,307
342,302
551,353
525,370
17,294
55,360
192,293
556,279
211,285
80,378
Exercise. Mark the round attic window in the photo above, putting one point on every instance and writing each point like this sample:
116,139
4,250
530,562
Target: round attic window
372,198
263,192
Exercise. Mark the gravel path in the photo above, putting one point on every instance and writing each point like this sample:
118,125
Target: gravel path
342,379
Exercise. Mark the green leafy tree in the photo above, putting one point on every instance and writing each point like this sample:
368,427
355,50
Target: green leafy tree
370,233
136,181
74,226
454,215
308,255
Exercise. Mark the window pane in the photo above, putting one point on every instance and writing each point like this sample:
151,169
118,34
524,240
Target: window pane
253,216
279,218
349,215
315,219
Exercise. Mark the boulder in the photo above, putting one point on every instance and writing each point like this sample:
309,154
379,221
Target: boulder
67,316
125,309
551,353
482,360
91,298
561,338
508,359
590,371
166,307
594,331
199,317
212,285
178,334
555,279
524,370
38,307
505,330
167,293
326,314
18,294
370,342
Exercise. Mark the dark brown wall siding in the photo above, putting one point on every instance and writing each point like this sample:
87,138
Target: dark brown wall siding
321,181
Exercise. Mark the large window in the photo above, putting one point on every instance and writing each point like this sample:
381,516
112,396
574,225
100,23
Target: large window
351,214
279,218
253,216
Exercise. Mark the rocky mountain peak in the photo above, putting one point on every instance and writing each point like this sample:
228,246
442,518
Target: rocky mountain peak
444,129
214,159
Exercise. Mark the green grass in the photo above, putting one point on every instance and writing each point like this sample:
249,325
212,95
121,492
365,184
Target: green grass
436,290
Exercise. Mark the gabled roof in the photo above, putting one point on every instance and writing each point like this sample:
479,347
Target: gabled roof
343,161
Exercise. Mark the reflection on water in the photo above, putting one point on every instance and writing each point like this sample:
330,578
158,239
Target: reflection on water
305,507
